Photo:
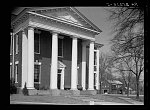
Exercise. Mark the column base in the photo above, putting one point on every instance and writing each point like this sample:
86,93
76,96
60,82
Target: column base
54,92
75,92
88,92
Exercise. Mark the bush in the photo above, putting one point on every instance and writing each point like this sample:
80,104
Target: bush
13,88
25,90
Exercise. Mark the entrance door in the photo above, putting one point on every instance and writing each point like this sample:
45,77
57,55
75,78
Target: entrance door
59,79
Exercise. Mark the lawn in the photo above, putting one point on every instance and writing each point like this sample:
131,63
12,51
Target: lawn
46,99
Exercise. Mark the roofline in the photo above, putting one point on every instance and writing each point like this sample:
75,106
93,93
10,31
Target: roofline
60,20
82,16
28,9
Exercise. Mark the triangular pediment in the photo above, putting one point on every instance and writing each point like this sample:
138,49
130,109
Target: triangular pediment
67,14
62,14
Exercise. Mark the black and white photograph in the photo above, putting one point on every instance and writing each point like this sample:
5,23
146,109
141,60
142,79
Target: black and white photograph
77,55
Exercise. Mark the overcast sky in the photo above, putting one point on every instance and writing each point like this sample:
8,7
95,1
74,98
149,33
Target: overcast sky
98,16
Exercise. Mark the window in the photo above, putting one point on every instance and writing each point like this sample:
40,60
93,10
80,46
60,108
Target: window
16,73
94,78
37,43
11,44
17,44
60,47
95,62
10,70
36,73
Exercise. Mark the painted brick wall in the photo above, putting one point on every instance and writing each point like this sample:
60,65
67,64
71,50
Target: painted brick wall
45,58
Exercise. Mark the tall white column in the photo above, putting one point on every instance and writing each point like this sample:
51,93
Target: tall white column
74,64
91,67
24,58
83,65
97,78
30,81
54,61
62,79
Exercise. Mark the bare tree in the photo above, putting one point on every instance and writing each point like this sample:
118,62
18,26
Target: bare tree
122,68
128,41
104,69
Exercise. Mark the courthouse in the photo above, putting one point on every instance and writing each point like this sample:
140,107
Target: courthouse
54,49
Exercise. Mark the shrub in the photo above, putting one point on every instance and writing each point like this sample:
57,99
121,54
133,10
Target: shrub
13,88
25,90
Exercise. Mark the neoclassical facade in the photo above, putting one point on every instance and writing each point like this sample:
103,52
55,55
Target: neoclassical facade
53,48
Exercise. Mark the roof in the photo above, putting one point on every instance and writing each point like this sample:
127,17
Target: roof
93,27
98,45
114,82
61,65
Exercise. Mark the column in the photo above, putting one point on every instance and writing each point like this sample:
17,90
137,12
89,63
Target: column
24,58
62,78
13,56
83,64
74,64
97,69
91,67
30,82
54,61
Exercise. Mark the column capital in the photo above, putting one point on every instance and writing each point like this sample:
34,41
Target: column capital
54,32
30,28
74,37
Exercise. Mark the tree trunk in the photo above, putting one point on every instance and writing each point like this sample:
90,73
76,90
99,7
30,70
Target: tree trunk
100,87
128,89
137,88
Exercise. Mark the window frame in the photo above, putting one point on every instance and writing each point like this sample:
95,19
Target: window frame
16,71
11,44
38,33
95,60
39,64
61,38
17,44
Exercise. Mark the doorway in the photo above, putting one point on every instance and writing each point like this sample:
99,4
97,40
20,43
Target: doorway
59,79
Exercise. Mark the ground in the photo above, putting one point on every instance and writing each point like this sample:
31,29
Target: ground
99,99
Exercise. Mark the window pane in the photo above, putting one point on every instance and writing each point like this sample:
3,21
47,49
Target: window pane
16,43
37,43
60,47
95,58
36,73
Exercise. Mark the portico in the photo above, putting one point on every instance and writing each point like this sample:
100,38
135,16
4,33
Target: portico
77,35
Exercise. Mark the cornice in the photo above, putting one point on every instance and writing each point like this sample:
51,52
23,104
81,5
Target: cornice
63,21
19,20
51,29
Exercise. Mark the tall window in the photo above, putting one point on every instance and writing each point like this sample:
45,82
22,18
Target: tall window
95,62
11,44
16,73
37,42
37,73
60,47
17,43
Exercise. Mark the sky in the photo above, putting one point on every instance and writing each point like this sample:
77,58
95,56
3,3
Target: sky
99,17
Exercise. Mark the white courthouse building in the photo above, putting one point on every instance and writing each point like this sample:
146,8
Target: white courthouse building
54,49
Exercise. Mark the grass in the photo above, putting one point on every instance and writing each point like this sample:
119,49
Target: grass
46,99
141,98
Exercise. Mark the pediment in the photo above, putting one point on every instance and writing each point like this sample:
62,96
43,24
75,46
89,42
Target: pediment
68,15
61,64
